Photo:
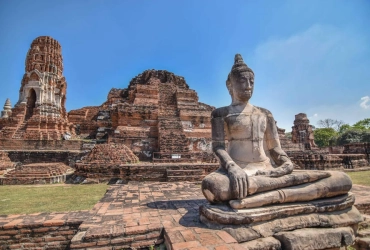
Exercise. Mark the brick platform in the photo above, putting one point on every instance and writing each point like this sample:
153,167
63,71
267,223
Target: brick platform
144,214
136,215
41,230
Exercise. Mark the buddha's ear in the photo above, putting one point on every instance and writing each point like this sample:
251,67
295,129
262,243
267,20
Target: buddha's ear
229,85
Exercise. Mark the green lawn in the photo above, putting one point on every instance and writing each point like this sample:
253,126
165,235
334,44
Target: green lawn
360,178
28,199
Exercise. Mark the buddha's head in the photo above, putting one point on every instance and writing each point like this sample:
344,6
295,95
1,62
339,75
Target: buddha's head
240,81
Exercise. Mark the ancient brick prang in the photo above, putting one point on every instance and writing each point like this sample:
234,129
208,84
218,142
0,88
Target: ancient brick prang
40,112
302,131
158,115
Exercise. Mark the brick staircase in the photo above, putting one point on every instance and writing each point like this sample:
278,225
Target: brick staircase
20,131
171,139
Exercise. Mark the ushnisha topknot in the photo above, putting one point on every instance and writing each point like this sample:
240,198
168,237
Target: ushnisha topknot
238,67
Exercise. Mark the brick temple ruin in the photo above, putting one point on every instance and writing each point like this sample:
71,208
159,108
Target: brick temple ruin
305,154
158,119
154,130
157,116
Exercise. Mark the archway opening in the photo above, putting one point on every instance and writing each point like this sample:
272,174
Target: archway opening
31,103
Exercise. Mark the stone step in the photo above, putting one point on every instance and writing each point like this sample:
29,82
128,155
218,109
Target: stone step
198,178
194,172
262,243
366,223
364,233
94,238
362,243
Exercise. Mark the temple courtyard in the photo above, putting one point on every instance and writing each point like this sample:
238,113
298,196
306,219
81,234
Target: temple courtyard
137,215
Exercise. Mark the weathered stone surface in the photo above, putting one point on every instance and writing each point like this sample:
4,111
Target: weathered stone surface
337,184
269,243
316,238
362,243
224,214
255,173
251,231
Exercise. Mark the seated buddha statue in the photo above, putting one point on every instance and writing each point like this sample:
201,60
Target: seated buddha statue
254,170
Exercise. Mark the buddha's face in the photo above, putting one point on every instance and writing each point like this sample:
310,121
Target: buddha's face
242,86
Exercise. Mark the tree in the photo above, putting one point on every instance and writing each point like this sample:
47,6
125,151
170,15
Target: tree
323,136
363,124
330,123
353,135
344,128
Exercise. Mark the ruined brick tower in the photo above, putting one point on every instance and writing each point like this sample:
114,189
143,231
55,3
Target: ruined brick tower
43,87
302,132
40,112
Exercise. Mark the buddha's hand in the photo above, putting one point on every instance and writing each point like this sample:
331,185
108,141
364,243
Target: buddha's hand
283,169
238,180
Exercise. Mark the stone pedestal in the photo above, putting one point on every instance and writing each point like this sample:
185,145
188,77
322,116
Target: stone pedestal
319,224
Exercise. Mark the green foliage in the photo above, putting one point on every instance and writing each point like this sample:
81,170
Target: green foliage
363,124
334,132
344,128
353,135
323,136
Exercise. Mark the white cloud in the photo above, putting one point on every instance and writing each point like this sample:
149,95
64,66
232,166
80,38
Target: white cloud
313,116
365,102
309,72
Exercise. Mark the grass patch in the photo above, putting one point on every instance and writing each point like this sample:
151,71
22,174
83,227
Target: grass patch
360,178
28,199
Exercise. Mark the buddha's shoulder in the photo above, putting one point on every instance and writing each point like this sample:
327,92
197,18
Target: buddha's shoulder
263,111
220,112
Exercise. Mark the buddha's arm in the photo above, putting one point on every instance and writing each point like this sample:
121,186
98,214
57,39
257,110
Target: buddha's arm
238,177
285,166
218,142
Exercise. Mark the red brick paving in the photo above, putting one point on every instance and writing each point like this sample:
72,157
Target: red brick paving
140,214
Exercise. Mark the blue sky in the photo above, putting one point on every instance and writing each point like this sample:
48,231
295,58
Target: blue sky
308,56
